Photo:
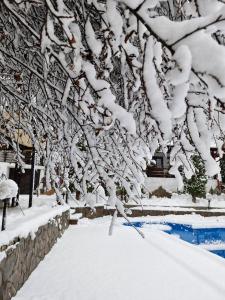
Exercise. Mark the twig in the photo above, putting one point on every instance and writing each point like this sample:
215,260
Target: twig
139,231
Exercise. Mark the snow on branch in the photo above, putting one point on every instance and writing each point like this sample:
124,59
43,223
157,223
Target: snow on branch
101,85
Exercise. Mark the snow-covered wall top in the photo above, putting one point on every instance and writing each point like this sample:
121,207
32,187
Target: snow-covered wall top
23,226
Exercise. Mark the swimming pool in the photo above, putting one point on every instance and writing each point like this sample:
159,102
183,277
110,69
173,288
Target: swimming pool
212,239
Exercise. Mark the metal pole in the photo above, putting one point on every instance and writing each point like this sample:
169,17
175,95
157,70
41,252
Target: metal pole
16,179
32,177
209,200
5,201
67,197
18,196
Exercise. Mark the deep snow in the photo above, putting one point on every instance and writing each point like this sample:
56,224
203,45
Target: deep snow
87,264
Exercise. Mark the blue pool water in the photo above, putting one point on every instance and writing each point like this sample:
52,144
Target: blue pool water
192,235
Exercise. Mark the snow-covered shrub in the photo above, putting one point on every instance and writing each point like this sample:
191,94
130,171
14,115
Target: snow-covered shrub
8,189
160,192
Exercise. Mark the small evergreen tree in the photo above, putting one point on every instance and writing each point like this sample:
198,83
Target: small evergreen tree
196,186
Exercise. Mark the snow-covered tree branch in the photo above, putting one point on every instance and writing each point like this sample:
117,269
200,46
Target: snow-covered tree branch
100,85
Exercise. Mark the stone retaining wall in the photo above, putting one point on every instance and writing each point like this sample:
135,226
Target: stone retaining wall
101,211
23,255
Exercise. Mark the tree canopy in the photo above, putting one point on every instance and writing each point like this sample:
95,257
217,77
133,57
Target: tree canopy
99,85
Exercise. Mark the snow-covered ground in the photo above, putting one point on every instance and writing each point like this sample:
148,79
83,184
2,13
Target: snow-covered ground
87,264
21,221
184,200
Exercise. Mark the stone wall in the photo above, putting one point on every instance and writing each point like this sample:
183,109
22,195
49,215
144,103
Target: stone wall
23,255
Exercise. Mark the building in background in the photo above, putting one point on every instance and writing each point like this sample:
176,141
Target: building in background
10,167
159,176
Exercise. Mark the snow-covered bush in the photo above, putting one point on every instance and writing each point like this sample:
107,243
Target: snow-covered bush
100,85
8,189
